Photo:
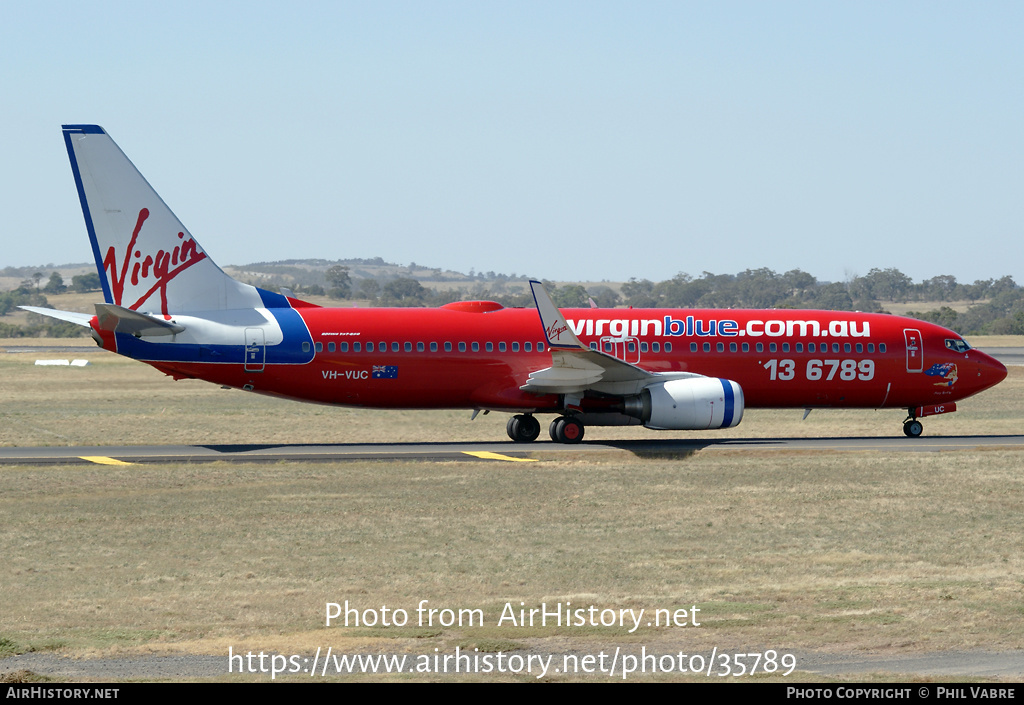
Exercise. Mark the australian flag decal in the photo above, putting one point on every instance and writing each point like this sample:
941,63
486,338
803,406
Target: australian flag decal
945,370
384,372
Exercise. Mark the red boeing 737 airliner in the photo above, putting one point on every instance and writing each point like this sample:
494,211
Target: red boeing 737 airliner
167,304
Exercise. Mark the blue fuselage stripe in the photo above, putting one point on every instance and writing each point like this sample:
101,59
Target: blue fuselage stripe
289,351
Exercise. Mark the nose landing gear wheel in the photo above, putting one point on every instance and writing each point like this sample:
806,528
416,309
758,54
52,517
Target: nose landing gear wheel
913,428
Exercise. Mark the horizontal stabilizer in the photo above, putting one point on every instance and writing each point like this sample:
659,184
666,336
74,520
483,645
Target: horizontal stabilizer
124,320
81,319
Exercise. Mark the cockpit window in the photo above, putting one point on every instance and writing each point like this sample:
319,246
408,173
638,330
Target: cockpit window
957,345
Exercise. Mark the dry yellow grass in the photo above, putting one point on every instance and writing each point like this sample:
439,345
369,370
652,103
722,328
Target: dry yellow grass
790,551
787,550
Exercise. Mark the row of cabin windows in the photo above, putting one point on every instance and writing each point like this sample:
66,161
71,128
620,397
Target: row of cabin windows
745,347
608,347
421,347
797,347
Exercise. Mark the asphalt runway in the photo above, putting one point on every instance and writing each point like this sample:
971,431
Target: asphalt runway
498,452
1007,356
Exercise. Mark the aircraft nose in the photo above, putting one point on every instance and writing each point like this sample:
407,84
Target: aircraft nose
990,371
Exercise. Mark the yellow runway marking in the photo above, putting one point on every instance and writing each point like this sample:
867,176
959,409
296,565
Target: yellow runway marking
103,460
487,455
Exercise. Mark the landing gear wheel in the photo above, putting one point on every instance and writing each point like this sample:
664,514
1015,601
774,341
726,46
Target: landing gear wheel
566,429
913,428
571,431
523,428
553,428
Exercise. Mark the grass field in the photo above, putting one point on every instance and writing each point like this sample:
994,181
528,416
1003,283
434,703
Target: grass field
835,552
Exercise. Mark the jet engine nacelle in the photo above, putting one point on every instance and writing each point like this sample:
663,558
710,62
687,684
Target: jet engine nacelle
688,404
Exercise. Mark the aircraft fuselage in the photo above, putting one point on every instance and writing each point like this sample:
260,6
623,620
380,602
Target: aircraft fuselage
477,355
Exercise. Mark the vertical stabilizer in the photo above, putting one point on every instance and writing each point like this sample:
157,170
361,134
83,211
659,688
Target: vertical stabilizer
147,260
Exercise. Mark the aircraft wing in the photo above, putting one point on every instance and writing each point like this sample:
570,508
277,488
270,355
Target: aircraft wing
576,368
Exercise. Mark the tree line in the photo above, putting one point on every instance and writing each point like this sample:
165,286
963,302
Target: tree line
996,305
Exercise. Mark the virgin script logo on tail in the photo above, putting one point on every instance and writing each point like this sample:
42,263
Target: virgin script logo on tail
160,269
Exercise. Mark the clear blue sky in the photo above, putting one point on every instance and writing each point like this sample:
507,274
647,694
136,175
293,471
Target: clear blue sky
571,141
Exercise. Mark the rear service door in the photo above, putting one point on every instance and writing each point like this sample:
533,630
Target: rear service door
255,349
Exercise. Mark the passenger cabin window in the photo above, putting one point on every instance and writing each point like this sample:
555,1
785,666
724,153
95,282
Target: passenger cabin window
369,347
515,347
447,347
433,347
330,347
693,347
462,347
668,347
319,347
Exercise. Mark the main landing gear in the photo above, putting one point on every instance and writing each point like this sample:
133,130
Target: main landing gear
566,429
524,428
